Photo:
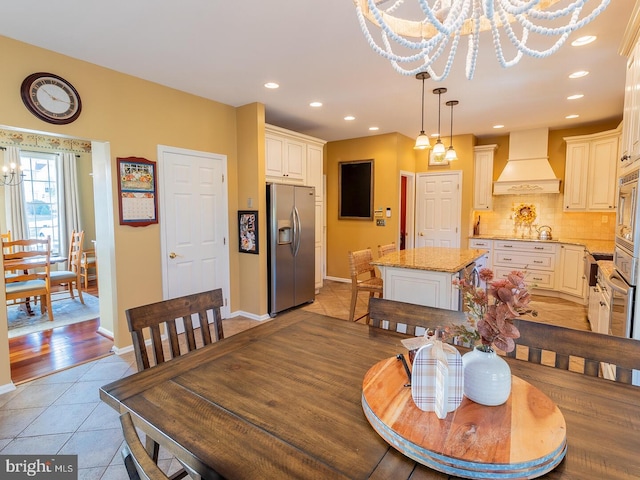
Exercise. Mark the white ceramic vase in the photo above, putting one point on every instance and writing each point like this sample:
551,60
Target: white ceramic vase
487,377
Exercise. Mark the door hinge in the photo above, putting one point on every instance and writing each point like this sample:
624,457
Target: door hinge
223,178
224,240
226,302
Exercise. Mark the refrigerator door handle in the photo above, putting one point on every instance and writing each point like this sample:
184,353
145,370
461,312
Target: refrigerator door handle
295,245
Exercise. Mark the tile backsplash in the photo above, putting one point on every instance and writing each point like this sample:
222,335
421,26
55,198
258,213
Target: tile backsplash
502,219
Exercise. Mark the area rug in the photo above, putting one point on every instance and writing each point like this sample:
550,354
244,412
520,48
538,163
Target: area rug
65,312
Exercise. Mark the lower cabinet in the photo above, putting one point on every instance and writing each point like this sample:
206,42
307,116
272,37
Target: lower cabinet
421,287
571,278
536,259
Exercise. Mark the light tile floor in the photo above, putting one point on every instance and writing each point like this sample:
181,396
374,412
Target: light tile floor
62,413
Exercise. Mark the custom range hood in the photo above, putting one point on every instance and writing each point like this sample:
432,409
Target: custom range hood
528,169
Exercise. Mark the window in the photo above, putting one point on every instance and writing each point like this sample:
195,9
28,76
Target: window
41,196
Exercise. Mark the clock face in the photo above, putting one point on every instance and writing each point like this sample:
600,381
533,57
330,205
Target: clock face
51,98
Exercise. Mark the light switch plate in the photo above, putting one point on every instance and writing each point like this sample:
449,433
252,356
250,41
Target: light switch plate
380,222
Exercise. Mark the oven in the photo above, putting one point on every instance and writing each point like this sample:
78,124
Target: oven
627,235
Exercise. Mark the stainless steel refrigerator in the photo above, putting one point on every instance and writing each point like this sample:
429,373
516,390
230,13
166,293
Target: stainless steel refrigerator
291,246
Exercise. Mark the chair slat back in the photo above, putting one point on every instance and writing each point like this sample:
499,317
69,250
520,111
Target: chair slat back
75,251
409,318
155,316
594,348
26,260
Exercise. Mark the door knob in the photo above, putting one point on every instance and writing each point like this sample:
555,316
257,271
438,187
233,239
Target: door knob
173,255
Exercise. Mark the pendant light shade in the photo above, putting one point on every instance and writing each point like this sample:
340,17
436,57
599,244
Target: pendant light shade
422,142
451,153
439,149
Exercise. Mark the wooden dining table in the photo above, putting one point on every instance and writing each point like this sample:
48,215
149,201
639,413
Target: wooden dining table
54,259
283,400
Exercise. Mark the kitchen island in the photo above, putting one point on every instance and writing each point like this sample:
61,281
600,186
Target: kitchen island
424,276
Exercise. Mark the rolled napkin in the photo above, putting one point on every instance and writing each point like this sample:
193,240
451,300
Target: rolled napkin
437,378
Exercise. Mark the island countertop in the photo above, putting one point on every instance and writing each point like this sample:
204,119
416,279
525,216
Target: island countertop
434,259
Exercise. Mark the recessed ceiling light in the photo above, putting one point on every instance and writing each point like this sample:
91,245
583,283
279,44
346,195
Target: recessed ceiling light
569,117
498,126
579,73
583,40
374,129
348,118
315,104
271,85
575,97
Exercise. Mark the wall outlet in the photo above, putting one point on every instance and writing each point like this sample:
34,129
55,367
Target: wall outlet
380,222
605,219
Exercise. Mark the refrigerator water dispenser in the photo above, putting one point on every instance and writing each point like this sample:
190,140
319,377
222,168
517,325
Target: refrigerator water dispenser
284,232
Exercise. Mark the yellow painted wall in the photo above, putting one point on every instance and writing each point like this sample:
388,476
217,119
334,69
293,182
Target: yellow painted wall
134,116
391,153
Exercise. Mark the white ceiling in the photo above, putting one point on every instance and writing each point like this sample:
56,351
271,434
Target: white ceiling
227,50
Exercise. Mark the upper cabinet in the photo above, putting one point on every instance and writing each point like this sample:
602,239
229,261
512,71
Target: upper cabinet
285,159
630,145
591,171
483,177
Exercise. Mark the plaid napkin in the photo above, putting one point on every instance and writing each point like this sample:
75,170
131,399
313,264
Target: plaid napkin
437,378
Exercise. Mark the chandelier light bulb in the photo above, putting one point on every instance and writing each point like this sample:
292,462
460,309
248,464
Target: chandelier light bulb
438,148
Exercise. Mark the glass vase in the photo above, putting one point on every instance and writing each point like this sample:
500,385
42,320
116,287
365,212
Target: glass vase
487,377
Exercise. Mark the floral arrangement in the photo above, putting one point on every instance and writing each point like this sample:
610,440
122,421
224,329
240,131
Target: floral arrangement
490,311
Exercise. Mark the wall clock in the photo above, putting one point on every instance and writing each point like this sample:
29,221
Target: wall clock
51,98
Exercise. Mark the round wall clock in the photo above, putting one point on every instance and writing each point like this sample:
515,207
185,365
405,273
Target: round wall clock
51,98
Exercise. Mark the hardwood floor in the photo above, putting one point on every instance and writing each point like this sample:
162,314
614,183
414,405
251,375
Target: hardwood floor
41,353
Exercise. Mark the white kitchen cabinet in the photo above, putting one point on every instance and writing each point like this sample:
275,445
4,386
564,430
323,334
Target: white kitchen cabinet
630,148
421,287
483,244
483,177
537,259
285,158
316,179
570,278
593,311
591,172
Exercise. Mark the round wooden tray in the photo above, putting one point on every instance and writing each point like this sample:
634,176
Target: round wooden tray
523,438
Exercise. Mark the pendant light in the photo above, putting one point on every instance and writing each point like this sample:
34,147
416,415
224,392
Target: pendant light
451,153
438,148
422,141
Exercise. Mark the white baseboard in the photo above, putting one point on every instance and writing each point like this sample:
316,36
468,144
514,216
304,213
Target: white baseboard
251,316
338,279
9,387
105,332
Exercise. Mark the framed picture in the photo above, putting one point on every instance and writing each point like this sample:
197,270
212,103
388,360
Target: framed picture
137,191
355,181
248,231
437,159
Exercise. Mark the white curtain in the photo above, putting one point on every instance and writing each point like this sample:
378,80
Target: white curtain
14,201
68,198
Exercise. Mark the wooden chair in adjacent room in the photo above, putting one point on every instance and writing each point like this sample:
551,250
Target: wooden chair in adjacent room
137,461
27,272
71,276
5,237
409,318
156,316
583,347
88,261
385,249
363,279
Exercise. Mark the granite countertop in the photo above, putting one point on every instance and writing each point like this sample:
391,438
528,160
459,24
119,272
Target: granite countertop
606,266
592,246
434,259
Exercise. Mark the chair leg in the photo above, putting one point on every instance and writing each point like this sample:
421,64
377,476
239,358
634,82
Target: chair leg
354,300
78,285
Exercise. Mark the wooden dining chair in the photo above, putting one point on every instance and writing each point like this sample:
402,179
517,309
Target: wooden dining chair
71,276
584,347
363,279
27,272
155,316
88,261
409,318
385,249
137,461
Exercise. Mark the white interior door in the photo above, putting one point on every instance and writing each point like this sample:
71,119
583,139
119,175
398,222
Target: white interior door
194,222
438,200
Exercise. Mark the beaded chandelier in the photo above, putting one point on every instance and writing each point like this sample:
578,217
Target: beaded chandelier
446,21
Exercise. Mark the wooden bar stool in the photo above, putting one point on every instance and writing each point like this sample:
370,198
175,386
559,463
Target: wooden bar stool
363,278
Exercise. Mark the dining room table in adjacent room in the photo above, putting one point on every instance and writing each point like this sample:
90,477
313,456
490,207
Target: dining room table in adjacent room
285,400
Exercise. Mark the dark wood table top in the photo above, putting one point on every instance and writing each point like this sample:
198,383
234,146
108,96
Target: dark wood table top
283,400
